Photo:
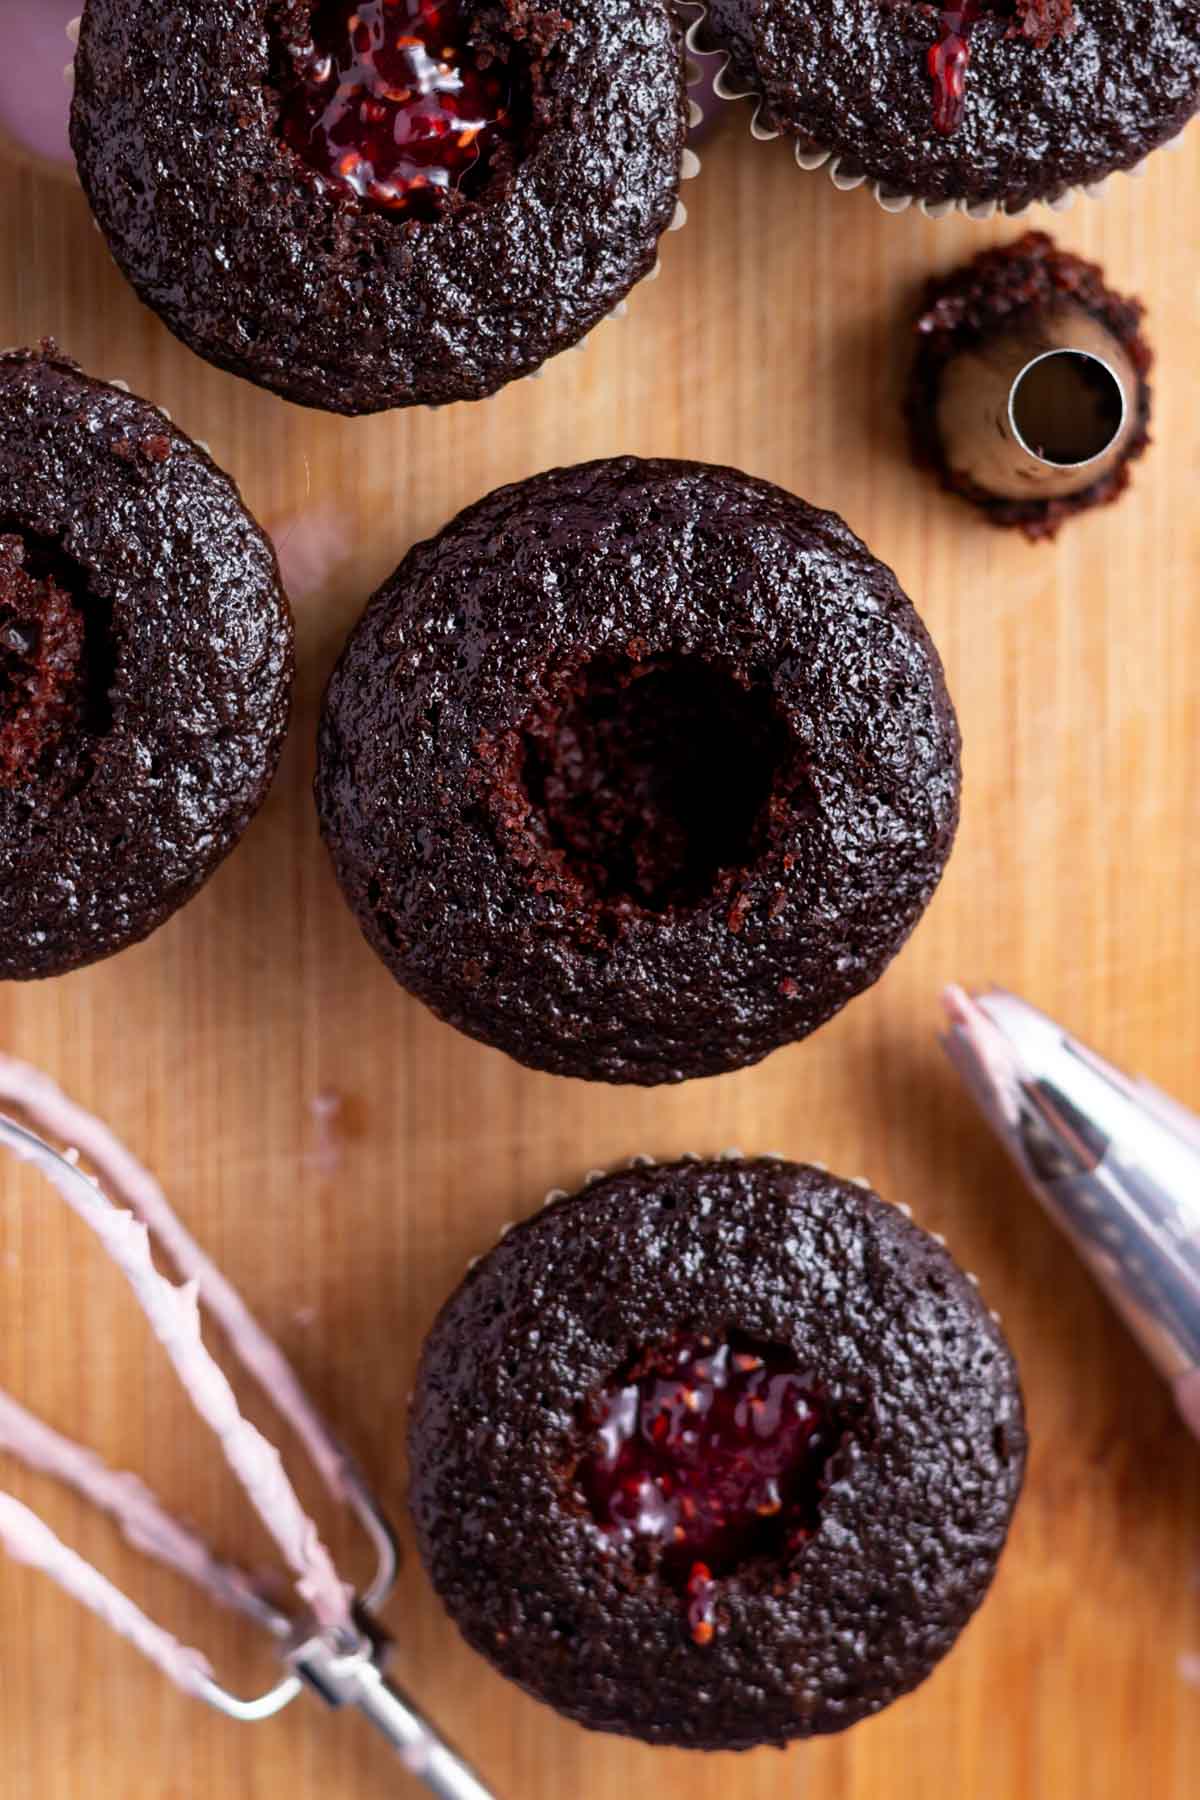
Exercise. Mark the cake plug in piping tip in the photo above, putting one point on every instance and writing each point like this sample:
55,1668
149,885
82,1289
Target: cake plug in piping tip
331,1644
1113,1160
1041,412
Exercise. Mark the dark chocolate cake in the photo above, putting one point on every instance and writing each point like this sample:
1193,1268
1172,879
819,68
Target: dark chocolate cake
1008,101
382,203
1003,287
715,1454
639,770
145,666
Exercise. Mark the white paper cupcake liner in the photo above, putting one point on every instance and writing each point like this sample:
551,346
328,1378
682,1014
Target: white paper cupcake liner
846,175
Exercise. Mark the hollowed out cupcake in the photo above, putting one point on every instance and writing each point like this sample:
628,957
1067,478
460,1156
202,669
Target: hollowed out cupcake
639,770
715,1454
145,667
372,203
984,103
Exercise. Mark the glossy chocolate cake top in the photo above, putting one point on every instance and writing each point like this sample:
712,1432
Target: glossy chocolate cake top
992,100
715,1454
382,203
145,666
639,770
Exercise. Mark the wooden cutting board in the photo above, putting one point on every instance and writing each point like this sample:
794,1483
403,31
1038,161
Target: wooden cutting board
774,340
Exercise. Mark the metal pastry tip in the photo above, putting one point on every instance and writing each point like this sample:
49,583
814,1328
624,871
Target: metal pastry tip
1113,1160
1042,411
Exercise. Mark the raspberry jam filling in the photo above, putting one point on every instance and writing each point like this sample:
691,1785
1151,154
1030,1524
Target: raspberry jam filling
1038,21
644,784
395,101
43,658
707,1455
948,60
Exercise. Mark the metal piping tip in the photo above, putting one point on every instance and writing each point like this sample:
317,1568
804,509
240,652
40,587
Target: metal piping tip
1115,1163
1040,412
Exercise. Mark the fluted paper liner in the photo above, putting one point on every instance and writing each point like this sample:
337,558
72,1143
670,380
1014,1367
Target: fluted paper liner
844,173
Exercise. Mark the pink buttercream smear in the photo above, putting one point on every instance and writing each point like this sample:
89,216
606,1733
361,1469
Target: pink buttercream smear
27,1540
1187,1398
326,1109
173,1313
35,100
311,546
136,1511
133,1186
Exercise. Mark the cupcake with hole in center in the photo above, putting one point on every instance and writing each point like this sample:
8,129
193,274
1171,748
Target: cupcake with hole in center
145,666
639,770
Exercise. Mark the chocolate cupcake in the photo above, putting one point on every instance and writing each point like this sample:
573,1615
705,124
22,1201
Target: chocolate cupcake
639,770
991,102
372,203
145,666
715,1454
1029,393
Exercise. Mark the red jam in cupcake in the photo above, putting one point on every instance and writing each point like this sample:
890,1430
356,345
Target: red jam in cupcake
1037,20
394,101
708,1454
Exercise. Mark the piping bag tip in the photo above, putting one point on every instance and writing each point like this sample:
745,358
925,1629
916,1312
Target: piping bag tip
984,1057
1113,1160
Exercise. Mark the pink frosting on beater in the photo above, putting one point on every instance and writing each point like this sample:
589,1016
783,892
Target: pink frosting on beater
27,1540
174,1316
137,1512
133,1186
1187,1397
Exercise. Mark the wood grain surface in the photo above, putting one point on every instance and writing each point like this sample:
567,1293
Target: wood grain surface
774,340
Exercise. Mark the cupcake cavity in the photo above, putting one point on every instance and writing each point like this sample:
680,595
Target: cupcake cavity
644,784
413,106
57,661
